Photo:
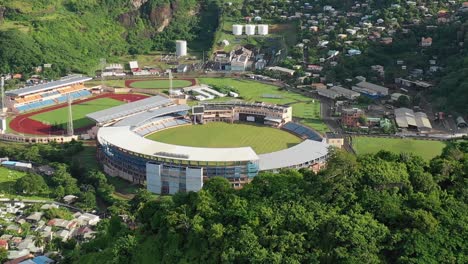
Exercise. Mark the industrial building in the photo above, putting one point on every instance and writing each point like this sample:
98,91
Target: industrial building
282,70
408,119
370,89
346,93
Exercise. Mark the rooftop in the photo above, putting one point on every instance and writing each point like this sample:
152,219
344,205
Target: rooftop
374,87
125,110
301,153
68,80
141,118
124,138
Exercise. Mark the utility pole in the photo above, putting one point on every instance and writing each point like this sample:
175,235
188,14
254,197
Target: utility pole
102,62
3,112
70,117
2,84
170,84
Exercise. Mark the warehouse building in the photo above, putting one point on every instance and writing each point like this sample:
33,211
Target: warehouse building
408,119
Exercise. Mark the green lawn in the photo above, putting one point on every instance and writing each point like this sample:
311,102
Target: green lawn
223,135
123,189
8,178
424,148
110,83
7,182
79,112
160,84
304,108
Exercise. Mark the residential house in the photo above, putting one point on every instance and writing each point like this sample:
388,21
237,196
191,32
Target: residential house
334,139
282,70
350,117
4,244
426,42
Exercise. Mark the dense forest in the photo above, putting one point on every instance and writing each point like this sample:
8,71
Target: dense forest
73,35
382,208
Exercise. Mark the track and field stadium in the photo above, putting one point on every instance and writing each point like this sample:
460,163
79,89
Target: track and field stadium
164,143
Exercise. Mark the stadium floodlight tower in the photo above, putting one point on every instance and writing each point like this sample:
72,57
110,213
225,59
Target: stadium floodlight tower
170,84
103,63
70,131
3,113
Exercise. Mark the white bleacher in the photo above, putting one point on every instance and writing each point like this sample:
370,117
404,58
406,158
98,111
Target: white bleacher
209,90
204,94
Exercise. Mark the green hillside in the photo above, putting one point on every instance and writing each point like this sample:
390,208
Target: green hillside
73,35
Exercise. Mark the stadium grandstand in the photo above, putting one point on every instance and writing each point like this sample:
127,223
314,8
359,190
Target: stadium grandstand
32,98
166,169
114,114
261,113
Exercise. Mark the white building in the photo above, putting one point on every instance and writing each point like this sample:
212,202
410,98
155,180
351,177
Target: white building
181,48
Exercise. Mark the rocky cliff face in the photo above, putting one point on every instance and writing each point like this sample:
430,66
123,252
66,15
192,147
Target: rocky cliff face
159,16
2,13
138,3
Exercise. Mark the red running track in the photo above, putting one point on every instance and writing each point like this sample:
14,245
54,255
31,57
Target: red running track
25,125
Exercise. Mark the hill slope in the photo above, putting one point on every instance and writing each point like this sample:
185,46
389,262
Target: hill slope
74,34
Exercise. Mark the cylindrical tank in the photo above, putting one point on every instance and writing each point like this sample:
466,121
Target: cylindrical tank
263,29
181,48
250,29
237,30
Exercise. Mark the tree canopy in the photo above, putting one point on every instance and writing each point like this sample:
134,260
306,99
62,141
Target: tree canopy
371,209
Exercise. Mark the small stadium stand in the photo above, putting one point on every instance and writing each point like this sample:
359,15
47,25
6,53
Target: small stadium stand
142,118
47,94
160,123
66,81
302,131
119,112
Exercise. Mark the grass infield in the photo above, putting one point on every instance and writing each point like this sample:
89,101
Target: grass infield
427,149
79,112
304,108
160,84
223,135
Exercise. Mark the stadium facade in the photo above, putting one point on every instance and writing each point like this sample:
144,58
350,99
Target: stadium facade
166,169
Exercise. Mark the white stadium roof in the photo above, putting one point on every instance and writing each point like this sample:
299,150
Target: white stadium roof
125,110
140,118
301,153
68,80
124,138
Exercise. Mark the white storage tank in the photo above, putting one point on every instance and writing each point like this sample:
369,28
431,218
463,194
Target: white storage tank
181,48
237,30
250,30
263,29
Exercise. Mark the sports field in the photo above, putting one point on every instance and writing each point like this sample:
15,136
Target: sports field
424,148
158,84
223,135
304,108
79,112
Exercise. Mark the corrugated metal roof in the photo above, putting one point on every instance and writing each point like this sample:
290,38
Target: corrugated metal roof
69,80
378,88
306,151
122,111
406,117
